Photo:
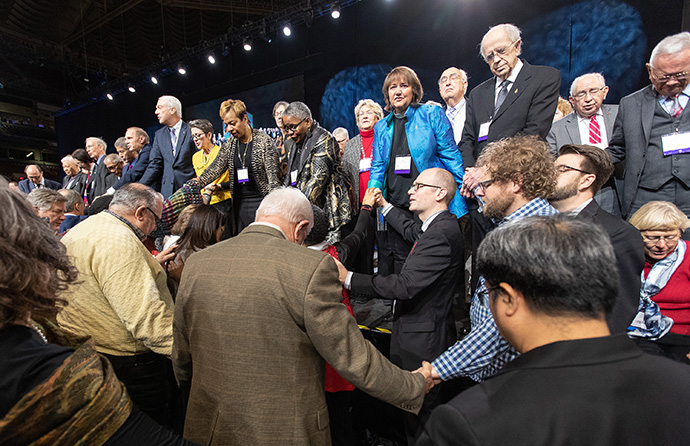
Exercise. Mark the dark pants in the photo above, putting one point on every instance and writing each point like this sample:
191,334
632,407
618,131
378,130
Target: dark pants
150,382
340,417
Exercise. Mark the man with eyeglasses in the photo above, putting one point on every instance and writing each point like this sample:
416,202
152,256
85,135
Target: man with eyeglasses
452,86
122,299
314,166
423,291
590,123
515,176
652,132
581,170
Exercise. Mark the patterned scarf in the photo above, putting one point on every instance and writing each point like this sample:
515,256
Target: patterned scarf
649,322
189,193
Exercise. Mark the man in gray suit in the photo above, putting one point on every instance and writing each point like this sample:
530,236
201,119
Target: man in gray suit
652,132
591,123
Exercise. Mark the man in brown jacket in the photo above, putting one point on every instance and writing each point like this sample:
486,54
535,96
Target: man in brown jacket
256,318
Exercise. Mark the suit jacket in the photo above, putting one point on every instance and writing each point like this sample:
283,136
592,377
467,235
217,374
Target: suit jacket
630,141
423,324
567,130
77,185
139,165
528,109
100,181
629,249
171,171
70,221
26,185
595,392
351,156
252,334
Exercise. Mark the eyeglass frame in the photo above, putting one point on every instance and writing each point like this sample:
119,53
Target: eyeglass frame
680,76
569,168
450,77
198,136
416,186
592,91
483,185
500,52
159,221
287,128
665,238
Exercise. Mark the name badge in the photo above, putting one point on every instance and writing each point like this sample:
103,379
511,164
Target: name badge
675,143
365,165
403,164
293,177
484,131
242,175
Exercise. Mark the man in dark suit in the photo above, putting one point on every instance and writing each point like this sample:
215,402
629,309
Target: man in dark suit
590,123
136,156
35,179
240,301
573,383
652,131
423,323
581,171
171,154
100,178
74,178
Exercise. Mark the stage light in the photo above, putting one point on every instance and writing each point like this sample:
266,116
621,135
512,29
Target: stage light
335,10
109,96
287,30
181,70
154,79
211,59
132,89
247,44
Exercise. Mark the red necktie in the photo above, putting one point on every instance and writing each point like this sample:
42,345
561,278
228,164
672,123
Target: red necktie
675,108
594,132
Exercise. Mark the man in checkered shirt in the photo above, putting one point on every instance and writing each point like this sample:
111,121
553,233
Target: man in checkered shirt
517,174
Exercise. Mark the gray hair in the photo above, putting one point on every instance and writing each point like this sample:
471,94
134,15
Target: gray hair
279,104
341,131
512,31
671,45
463,73
68,159
173,102
121,142
298,109
378,111
72,197
288,203
202,124
113,158
599,76
43,198
98,141
571,269
133,195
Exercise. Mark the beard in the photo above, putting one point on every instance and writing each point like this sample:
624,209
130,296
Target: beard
564,192
497,208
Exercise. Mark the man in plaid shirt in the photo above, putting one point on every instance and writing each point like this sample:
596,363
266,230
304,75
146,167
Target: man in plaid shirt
517,174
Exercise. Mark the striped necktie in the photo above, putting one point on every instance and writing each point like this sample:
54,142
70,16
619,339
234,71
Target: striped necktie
594,131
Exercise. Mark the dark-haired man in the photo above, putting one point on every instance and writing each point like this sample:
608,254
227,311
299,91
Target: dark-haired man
573,383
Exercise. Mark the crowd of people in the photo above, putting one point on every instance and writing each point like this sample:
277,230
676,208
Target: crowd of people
165,294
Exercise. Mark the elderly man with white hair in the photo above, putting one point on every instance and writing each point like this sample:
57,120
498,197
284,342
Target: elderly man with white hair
99,178
652,131
170,162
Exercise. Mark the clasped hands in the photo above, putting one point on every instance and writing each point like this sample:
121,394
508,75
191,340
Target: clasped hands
431,377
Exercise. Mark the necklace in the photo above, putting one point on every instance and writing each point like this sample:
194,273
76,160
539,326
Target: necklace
40,332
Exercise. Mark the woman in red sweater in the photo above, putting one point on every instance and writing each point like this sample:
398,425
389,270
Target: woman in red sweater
666,275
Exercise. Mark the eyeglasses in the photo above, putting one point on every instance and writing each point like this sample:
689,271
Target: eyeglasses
288,128
196,136
416,186
591,92
366,113
452,77
483,185
654,239
667,77
158,220
500,52
562,168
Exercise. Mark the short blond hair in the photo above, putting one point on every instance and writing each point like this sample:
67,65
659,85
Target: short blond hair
659,216
378,111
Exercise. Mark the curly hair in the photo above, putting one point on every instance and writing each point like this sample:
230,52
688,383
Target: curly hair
523,159
34,267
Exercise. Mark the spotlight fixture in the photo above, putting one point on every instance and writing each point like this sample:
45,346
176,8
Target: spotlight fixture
211,59
154,79
132,89
181,69
287,30
335,10
109,96
247,44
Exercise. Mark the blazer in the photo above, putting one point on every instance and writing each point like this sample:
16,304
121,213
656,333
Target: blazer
252,334
26,185
567,130
594,392
70,221
100,181
77,185
629,249
630,140
423,323
431,143
528,109
171,171
351,157
139,165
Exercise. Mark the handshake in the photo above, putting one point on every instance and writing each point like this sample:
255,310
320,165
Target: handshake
431,377
373,197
